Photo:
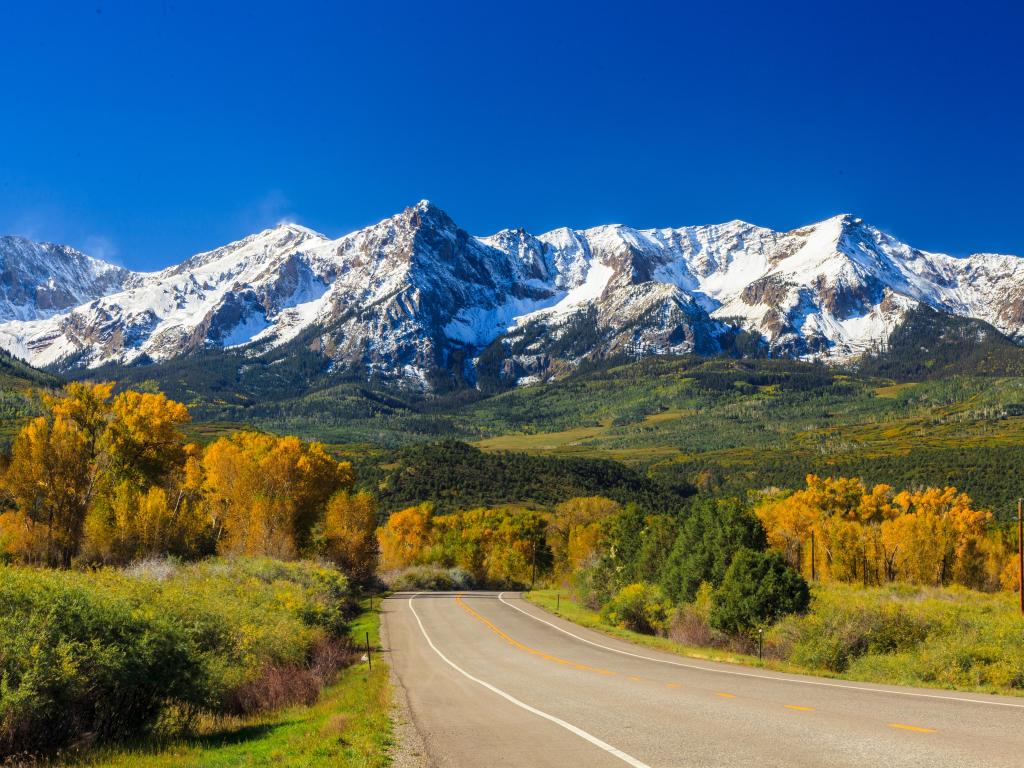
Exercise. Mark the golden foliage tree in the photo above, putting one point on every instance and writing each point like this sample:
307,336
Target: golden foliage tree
66,461
109,478
50,480
937,537
574,534
265,493
495,545
131,524
405,536
932,536
349,532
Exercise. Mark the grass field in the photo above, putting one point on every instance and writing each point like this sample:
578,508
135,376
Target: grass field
543,441
348,727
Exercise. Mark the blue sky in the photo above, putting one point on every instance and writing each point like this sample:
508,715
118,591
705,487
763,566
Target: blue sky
146,131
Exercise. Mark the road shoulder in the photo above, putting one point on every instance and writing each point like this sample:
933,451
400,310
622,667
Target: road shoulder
409,750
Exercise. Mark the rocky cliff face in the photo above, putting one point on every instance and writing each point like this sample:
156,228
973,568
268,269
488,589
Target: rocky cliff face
417,298
39,280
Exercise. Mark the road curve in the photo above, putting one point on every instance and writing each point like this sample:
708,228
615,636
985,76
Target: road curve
492,680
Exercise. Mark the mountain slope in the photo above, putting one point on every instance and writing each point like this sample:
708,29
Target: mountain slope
39,280
931,345
416,299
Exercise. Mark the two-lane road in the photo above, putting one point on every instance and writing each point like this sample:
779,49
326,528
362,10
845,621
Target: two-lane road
492,680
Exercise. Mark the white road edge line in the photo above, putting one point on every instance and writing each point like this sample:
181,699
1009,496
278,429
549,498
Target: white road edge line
737,673
628,759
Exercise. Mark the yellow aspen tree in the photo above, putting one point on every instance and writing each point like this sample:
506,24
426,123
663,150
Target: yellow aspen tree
405,536
349,530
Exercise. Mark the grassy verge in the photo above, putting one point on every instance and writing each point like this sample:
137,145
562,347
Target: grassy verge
349,726
560,604
952,638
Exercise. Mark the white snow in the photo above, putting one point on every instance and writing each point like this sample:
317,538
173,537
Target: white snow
246,331
389,288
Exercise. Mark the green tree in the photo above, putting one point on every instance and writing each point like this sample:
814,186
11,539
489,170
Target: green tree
712,533
758,587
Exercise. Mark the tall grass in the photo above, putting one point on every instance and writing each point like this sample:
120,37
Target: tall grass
106,655
949,638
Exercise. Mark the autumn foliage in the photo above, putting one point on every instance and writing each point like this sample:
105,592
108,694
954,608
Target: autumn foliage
265,494
501,546
105,478
837,529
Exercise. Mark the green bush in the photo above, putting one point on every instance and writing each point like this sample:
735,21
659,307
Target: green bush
430,578
76,659
107,655
639,607
758,588
833,635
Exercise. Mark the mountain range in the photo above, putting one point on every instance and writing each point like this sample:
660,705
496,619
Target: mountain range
417,299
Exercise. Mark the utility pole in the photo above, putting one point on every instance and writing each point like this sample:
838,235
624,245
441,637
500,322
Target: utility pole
812,554
1020,553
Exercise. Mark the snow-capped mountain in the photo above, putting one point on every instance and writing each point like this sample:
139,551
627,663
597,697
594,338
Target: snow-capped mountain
416,297
39,280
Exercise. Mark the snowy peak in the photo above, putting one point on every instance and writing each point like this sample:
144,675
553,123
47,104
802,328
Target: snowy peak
415,297
261,247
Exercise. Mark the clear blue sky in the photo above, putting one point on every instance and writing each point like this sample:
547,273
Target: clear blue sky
147,131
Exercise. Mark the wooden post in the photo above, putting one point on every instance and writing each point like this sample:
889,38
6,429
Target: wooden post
369,661
558,602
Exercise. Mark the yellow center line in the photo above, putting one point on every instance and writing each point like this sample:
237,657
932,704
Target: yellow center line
913,728
608,673
532,651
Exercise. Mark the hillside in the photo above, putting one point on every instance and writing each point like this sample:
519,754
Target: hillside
17,383
931,345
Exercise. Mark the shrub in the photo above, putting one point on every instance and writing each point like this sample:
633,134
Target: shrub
639,607
835,635
758,588
690,624
105,655
78,660
428,578
949,637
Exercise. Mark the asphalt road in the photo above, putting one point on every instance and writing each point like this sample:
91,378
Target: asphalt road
492,680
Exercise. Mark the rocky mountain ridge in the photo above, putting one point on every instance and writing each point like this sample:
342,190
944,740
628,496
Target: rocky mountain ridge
416,298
